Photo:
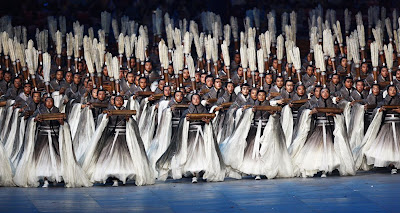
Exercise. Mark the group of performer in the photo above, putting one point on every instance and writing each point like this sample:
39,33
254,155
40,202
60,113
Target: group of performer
72,112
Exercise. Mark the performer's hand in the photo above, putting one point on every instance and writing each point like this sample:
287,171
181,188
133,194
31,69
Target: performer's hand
338,99
62,90
397,110
382,109
206,120
37,119
134,96
313,111
366,106
61,121
290,105
127,118
352,103
156,106
330,114
83,106
151,98
253,109
279,101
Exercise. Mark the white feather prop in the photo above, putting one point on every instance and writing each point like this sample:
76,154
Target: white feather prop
105,21
20,53
133,42
46,67
208,46
235,28
114,25
128,47
89,61
91,33
389,28
395,18
267,44
227,34
52,24
102,37
396,40
225,53
177,37
58,42
11,49
4,42
328,43
199,44
338,32
243,56
187,43
374,54
361,35
163,54
261,39
109,65
256,15
289,46
177,58
115,68
98,64
295,53
319,58
353,48
214,49
279,48
190,64
101,50
389,55
284,22
170,36
70,44
377,32
260,61
29,53
140,47
121,44
359,20
272,27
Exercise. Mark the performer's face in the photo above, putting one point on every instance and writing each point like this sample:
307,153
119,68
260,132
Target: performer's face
230,88
203,78
343,62
49,103
364,68
130,78
348,83
375,90
253,94
240,71
209,82
186,74
279,82
237,58
27,89
142,83
101,95
392,91
36,98
398,74
289,86
335,79
325,94
384,72
148,67
268,79
178,97
94,93
161,84
59,75
310,71
245,90
317,92
195,100
197,77
275,64
132,62
360,86
119,102
7,77
77,79
170,69
300,90
261,96
68,77
17,83
167,91
218,84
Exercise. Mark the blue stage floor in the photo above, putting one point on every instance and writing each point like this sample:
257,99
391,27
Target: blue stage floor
366,192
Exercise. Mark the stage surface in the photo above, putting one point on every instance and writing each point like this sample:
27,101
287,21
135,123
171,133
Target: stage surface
376,191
